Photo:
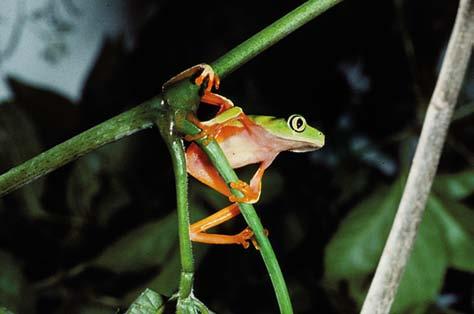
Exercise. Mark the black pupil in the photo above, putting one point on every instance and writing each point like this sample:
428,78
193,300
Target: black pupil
299,123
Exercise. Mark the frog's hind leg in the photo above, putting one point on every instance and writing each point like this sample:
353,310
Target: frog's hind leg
198,230
217,100
200,167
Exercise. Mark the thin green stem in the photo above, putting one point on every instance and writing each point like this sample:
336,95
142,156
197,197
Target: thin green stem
175,145
218,159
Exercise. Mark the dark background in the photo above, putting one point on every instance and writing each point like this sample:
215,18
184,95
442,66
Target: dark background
362,73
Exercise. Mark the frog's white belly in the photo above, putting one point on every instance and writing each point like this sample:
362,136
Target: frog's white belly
244,150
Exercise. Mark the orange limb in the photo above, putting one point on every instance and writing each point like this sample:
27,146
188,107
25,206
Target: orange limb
253,190
208,132
200,167
213,131
198,230
207,75
217,100
254,241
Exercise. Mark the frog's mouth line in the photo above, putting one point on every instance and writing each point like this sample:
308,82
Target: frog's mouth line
308,148
304,149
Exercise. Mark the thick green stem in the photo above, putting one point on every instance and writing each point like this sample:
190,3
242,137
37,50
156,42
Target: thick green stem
125,124
144,115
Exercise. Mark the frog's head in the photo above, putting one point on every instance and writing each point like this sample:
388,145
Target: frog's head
295,129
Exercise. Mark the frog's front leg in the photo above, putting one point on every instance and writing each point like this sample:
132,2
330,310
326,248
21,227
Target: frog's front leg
211,129
253,190
207,75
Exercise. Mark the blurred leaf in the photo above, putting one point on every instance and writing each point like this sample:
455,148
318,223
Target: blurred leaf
95,309
116,197
356,247
458,230
5,311
148,245
95,181
456,186
149,302
18,143
463,111
55,116
12,283
84,183
445,238
358,288
167,280
423,276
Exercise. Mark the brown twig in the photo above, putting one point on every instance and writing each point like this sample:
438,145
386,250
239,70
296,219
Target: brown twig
423,169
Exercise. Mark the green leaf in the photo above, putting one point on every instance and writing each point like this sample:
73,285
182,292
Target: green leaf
445,238
149,302
84,184
423,276
456,186
94,309
12,283
146,246
192,305
4,311
86,190
167,280
356,247
458,230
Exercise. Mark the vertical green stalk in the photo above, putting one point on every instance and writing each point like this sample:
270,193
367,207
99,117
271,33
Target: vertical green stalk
176,148
219,160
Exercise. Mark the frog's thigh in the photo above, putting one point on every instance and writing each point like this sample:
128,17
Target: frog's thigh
199,166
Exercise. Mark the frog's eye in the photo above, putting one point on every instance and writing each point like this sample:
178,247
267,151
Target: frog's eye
297,123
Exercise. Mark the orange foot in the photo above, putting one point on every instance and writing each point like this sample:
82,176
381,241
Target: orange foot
244,236
209,77
250,196
208,132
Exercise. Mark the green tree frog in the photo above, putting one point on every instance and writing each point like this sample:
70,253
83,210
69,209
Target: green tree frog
245,140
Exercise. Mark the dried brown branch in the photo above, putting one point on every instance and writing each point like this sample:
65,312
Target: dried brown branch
423,169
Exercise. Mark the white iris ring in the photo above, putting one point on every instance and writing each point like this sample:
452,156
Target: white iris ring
297,123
